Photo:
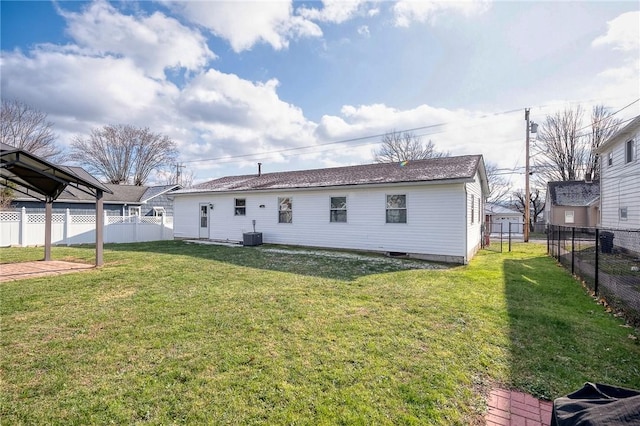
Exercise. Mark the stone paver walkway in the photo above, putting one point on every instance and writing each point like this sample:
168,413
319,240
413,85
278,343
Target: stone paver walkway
23,270
511,408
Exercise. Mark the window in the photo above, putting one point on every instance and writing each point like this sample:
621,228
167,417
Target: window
473,208
568,216
610,158
241,207
630,151
396,209
623,213
285,210
338,211
134,211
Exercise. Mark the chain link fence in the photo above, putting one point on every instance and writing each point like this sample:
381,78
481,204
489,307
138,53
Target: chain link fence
607,260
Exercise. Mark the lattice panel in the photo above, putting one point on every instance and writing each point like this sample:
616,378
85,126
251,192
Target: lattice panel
36,218
9,217
83,219
57,218
156,220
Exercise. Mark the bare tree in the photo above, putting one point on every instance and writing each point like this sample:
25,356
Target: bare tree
124,154
603,126
567,148
397,146
6,196
27,128
562,151
498,184
537,205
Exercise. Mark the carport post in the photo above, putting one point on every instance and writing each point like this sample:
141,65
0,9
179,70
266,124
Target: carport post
99,226
48,213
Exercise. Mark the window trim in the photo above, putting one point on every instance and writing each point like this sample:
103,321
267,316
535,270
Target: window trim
624,216
237,208
387,209
630,151
281,211
473,209
572,213
332,209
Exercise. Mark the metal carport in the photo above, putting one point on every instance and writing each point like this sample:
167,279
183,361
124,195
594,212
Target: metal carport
42,180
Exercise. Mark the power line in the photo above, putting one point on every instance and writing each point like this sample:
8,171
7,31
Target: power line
243,157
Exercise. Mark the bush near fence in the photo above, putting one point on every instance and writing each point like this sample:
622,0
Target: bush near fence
607,260
19,228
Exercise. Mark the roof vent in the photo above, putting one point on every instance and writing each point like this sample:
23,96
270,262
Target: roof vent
259,169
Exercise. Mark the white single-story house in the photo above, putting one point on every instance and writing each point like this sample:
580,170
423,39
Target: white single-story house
431,209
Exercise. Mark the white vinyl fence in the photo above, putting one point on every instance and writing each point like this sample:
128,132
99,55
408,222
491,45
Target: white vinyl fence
19,228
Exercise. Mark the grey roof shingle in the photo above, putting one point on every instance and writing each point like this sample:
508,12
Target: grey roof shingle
577,193
430,170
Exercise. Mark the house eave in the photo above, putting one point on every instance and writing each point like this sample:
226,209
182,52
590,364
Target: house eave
324,187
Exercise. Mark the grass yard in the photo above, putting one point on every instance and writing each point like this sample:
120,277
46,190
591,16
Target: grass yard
170,332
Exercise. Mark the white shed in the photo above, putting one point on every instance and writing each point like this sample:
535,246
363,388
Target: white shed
430,209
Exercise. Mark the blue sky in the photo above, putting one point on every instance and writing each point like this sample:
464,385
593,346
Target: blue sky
236,83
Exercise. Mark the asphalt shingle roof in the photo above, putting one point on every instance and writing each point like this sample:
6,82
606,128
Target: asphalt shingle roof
574,193
430,170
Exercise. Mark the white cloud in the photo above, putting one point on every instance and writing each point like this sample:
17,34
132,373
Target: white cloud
245,24
408,11
620,81
336,11
153,43
65,83
623,33
244,115
363,30
462,132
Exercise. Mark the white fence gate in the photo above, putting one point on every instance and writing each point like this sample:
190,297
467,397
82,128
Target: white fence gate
19,228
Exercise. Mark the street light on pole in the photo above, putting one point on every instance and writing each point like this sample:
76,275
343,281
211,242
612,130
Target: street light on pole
533,128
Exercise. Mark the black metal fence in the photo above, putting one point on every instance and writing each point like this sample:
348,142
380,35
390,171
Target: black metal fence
499,236
607,260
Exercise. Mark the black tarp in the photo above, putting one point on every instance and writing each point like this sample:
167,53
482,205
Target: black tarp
597,405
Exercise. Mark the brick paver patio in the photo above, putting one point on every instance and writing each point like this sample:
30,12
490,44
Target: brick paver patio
22,270
511,408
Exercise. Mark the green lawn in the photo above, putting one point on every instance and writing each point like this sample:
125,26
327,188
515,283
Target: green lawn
170,332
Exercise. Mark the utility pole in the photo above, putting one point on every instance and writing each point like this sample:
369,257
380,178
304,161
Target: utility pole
178,172
527,194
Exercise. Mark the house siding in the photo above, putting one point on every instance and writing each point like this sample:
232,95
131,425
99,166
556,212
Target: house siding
436,215
475,214
620,186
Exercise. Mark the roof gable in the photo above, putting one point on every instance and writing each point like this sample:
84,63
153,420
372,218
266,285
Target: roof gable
462,168
573,193
621,136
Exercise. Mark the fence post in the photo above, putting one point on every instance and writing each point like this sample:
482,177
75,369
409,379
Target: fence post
548,241
595,281
23,227
67,224
573,249
509,237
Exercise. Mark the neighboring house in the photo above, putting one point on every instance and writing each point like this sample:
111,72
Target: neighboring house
573,203
430,209
620,178
501,219
620,186
126,200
